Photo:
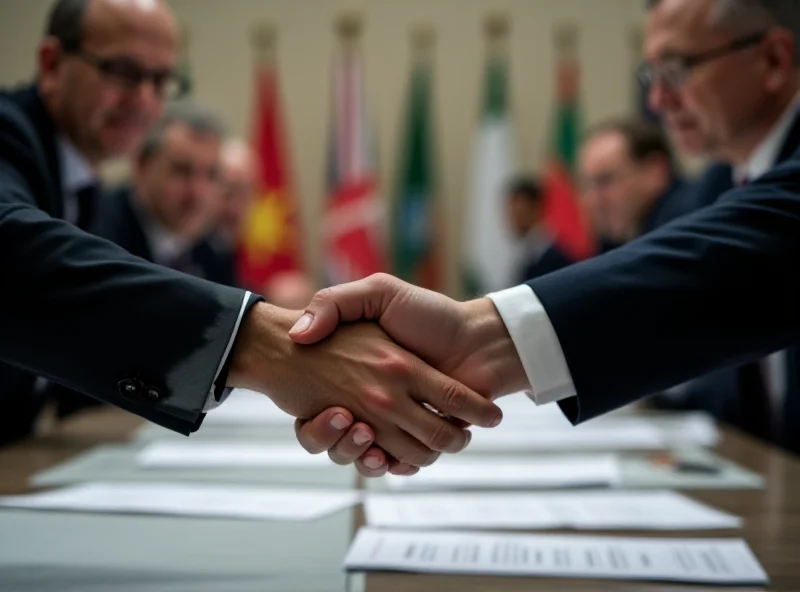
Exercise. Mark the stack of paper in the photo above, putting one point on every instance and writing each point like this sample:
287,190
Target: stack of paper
182,499
558,471
712,561
220,454
610,510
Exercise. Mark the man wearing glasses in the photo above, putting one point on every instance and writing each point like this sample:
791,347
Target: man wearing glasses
723,75
83,312
98,91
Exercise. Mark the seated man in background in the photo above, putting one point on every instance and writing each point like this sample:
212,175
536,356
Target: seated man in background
538,254
724,77
172,202
628,180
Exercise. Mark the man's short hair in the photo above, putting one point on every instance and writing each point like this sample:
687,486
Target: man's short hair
527,187
644,139
198,119
65,23
750,16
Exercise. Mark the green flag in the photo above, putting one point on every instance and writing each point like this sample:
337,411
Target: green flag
415,228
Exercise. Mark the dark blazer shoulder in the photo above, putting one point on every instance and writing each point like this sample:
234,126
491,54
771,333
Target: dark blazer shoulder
28,147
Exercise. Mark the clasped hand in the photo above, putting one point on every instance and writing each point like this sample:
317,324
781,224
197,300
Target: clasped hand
358,391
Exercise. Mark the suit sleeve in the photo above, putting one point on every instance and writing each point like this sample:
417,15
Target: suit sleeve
716,288
81,311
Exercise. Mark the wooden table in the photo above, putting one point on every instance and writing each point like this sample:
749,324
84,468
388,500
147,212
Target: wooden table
772,515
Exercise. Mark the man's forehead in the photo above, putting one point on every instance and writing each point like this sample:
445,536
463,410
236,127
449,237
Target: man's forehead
117,23
678,27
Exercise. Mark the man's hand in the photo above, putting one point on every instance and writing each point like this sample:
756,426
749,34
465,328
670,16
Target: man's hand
466,341
362,370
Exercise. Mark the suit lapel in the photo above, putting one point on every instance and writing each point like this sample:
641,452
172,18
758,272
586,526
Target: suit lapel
30,103
792,141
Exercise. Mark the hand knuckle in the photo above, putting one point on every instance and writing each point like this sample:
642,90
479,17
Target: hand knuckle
454,399
443,436
379,401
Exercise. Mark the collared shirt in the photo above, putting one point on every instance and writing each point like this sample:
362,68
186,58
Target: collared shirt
76,174
165,246
535,338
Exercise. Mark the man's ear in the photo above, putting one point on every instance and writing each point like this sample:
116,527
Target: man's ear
49,58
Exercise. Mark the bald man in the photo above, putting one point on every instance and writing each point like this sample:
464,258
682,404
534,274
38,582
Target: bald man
86,314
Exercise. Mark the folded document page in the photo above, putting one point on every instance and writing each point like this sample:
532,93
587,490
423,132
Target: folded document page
610,510
475,472
712,561
182,499
219,454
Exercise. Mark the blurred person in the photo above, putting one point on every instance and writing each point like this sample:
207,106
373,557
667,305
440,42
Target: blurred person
103,73
172,202
164,345
627,173
538,254
724,79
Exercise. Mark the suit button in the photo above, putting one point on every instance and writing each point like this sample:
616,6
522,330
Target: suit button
129,387
152,394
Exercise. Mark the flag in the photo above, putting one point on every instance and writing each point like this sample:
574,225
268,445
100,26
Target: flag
415,228
354,222
489,247
563,215
271,244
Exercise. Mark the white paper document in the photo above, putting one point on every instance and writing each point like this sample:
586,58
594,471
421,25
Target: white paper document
636,435
246,407
711,561
587,510
219,454
552,472
182,499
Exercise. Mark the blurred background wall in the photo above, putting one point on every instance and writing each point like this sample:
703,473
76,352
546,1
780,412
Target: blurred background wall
221,59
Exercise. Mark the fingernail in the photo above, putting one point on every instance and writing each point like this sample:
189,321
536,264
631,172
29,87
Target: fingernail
469,439
303,323
372,462
339,422
496,421
360,438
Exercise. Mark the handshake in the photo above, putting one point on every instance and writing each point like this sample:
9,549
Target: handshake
380,372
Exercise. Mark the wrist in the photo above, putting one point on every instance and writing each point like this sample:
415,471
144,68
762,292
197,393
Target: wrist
490,336
262,347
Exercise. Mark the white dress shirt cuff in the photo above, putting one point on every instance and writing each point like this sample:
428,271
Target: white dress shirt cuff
211,400
536,342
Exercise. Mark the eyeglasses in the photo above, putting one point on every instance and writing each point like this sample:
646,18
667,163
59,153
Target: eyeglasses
127,74
674,71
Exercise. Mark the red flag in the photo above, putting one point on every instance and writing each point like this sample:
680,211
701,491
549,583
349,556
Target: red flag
271,244
353,224
564,217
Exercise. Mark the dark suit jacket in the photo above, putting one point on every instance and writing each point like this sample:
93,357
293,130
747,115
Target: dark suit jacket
712,289
80,310
721,393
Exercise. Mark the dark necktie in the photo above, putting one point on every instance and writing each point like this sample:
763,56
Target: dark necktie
87,199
